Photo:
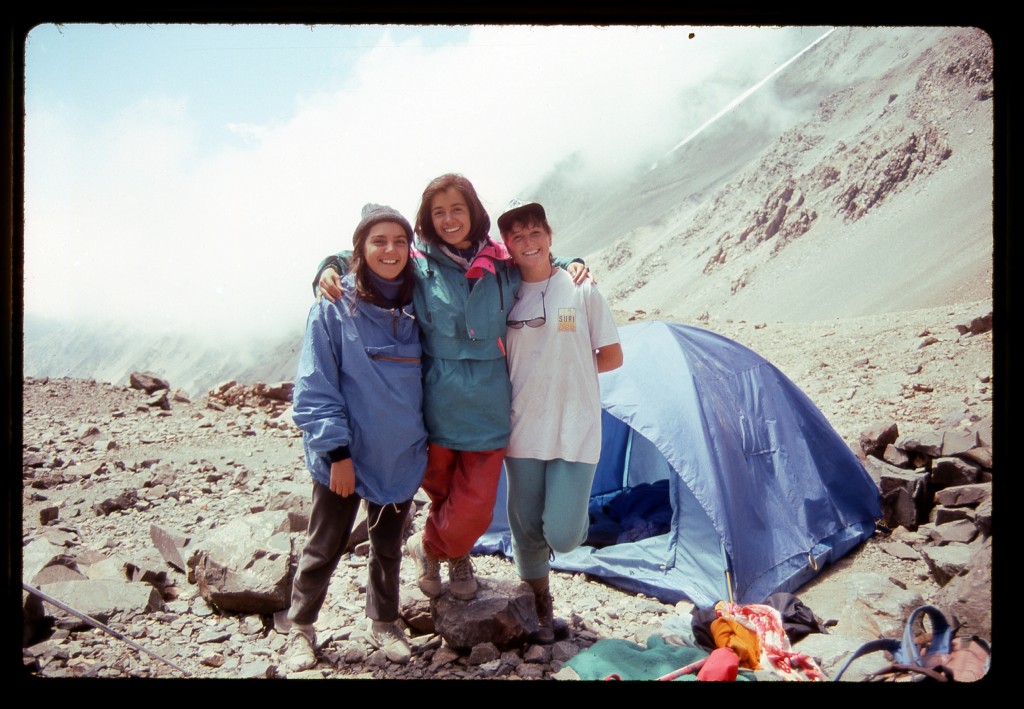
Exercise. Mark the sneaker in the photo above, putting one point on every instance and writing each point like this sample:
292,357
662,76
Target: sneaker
391,640
299,651
461,581
429,567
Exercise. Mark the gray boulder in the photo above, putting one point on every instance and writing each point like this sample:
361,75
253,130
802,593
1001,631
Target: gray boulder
977,325
927,444
147,382
56,573
983,427
980,455
946,562
903,493
944,515
103,598
503,613
968,596
124,501
244,565
158,400
295,499
962,531
874,441
872,606
88,434
957,442
964,495
40,553
983,516
281,391
113,567
171,544
894,456
951,471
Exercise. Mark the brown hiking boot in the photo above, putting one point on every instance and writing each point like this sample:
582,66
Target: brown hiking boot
429,567
545,605
461,581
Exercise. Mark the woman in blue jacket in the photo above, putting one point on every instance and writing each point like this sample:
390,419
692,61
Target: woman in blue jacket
358,400
465,287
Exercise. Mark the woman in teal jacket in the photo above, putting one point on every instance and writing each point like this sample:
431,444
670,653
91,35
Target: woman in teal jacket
465,287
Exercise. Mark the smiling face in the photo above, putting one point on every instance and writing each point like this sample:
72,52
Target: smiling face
449,213
386,249
529,243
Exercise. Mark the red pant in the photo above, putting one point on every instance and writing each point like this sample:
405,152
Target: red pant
462,487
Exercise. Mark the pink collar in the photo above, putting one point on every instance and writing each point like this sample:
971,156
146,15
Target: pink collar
485,258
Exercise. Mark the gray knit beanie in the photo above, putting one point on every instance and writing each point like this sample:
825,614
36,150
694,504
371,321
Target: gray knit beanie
375,214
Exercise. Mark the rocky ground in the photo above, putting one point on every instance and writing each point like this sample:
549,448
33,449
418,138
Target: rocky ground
103,463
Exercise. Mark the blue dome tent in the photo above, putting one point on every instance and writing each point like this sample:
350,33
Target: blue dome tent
738,485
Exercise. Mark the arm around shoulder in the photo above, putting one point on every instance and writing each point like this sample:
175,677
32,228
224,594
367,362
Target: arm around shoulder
337,263
564,262
576,267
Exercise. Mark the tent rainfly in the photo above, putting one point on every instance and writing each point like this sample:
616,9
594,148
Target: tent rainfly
719,479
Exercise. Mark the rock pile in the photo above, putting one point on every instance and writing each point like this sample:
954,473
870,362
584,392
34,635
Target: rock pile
936,493
273,398
180,528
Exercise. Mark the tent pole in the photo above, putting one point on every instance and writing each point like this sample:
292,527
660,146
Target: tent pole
98,625
629,454
728,574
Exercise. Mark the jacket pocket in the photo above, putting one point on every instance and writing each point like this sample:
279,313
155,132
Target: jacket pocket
401,354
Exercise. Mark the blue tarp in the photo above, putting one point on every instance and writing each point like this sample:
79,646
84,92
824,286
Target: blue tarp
763,492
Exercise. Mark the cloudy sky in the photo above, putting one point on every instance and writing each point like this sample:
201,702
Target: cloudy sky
192,176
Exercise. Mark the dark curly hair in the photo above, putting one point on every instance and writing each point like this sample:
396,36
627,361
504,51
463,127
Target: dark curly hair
365,290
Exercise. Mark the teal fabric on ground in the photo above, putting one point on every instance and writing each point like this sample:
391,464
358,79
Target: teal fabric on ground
635,662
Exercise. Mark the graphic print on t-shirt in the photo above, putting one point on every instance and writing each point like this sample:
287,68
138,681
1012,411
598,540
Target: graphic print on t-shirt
567,319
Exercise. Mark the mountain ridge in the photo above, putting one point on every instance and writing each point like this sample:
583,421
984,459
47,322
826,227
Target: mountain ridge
877,202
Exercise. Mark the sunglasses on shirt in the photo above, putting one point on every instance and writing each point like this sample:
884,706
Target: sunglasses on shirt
532,322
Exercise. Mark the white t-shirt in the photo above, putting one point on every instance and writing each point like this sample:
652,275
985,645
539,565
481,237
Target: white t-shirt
556,400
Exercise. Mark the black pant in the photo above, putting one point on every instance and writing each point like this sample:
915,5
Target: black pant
330,525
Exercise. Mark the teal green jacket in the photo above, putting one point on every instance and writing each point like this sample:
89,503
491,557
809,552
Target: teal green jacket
462,315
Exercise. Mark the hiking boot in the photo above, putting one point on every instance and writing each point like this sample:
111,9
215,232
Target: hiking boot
461,581
429,567
545,605
299,652
391,640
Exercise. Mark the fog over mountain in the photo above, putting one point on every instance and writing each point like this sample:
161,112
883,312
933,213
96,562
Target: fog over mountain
857,181
872,193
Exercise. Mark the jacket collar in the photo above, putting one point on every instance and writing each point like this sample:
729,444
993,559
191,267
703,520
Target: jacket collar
374,312
485,259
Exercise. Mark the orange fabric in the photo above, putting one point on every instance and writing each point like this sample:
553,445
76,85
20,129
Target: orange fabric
741,640
462,487
774,652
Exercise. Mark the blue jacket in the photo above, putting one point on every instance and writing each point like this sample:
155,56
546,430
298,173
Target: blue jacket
359,385
467,394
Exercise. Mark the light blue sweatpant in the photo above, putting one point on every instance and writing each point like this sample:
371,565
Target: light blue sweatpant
548,504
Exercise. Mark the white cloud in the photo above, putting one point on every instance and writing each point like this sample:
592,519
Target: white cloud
144,217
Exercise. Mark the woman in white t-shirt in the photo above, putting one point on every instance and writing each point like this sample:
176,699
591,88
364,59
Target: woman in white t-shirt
560,336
